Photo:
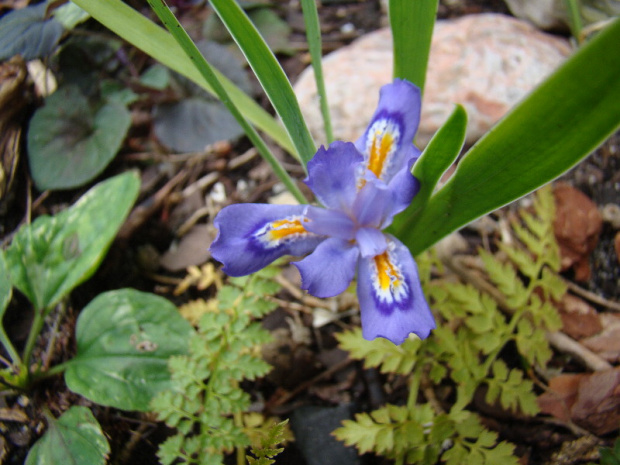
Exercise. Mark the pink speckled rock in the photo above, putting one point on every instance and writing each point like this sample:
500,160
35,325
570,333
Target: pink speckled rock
485,62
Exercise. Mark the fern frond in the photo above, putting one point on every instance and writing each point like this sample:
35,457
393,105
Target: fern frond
205,396
381,353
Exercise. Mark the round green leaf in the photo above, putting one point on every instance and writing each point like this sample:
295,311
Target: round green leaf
51,256
70,143
124,340
28,33
75,438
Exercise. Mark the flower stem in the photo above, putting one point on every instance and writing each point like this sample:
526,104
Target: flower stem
9,347
35,330
414,387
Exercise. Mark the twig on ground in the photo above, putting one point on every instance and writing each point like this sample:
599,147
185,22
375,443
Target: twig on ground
298,294
148,207
566,344
592,297
125,455
307,384
192,220
242,159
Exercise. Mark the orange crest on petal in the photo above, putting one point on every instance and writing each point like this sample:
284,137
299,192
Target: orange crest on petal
278,231
389,283
382,141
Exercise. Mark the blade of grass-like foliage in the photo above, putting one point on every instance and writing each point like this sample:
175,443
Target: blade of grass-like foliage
574,18
313,36
436,158
559,124
208,73
412,25
156,42
269,73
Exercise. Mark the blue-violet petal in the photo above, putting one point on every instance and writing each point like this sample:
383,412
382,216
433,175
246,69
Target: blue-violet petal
328,270
251,236
391,300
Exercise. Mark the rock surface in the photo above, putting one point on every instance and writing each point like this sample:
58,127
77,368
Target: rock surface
552,14
485,62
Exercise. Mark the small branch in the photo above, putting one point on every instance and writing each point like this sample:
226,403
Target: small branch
307,384
566,344
147,208
592,297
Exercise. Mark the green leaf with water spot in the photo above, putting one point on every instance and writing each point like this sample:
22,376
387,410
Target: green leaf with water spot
124,341
51,256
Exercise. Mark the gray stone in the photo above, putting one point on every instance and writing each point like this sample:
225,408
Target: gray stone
552,14
485,62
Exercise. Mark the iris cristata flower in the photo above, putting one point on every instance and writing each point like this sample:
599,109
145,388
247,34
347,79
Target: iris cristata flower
361,186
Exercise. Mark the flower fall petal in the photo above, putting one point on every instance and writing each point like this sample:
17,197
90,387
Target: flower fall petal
391,299
251,236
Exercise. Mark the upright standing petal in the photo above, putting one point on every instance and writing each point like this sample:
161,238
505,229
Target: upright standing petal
328,270
391,300
251,236
334,223
404,186
332,175
385,143
374,205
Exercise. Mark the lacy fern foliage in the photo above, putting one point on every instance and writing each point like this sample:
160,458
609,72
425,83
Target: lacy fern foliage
267,449
206,403
477,322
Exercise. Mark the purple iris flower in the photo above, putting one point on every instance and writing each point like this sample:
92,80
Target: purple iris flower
361,186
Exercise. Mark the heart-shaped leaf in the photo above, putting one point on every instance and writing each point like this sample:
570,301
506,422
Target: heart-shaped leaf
28,33
192,124
124,340
75,438
69,142
48,258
